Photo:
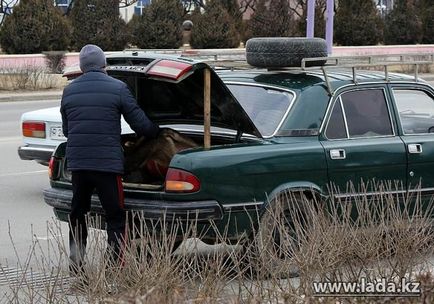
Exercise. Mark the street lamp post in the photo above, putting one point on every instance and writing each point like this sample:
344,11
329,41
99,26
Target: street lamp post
329,26
310,18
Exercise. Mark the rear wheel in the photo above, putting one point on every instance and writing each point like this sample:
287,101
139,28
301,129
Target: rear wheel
281,235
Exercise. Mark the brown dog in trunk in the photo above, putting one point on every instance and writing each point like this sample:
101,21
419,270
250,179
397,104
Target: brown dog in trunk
148,161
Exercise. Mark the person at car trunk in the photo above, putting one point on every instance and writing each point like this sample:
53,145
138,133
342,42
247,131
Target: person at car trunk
91,109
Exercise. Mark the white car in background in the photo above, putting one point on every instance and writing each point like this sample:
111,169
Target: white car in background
42,133
42,129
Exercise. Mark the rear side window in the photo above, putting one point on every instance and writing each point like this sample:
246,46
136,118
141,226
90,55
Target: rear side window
416,111
360,113
266,107
336,128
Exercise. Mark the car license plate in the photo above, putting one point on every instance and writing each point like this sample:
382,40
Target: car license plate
56,133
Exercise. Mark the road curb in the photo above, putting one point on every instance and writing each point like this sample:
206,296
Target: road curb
33,97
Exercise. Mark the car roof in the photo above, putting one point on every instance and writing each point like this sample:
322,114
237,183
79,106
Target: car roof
298,79
292,78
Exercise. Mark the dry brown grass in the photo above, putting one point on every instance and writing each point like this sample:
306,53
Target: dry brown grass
29,77
392,237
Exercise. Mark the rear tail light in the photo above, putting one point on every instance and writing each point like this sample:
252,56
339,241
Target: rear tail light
33,129
169,69
53,168
181,181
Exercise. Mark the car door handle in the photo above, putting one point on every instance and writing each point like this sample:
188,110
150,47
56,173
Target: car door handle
337,154
414,148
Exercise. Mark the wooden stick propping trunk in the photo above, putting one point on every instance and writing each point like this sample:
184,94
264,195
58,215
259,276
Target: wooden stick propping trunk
207,110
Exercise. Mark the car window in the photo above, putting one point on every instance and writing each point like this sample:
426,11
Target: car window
366,115
416,111
266,107
336,127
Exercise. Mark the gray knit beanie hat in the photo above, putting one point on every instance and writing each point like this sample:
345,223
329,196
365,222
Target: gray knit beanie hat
92,58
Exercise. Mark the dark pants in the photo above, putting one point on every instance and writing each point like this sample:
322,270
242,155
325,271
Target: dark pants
109,188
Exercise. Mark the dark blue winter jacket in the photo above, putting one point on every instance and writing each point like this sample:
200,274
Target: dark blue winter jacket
91,111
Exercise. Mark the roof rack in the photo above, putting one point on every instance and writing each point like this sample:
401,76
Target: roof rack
367,61
236,59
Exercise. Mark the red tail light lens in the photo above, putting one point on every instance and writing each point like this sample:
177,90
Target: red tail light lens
34,129
181,181
53,168
169,69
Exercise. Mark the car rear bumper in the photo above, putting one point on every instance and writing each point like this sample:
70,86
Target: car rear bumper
41,154
60,200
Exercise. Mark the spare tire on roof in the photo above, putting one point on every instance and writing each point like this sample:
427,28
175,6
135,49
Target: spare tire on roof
277,52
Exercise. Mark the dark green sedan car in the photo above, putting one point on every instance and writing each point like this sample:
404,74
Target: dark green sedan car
272,131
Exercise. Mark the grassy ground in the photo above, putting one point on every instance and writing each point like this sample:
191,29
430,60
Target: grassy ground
391,238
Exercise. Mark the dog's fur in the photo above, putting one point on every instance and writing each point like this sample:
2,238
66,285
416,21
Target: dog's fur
153,157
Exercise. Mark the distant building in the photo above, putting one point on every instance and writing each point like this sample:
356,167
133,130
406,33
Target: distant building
384,6
62,4
137,9
6,8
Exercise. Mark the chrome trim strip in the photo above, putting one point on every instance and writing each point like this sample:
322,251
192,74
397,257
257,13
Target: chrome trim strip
353,195
152,209
39,149
328,114
198,130
242,206
279,125
429,94
347,132
325,122
360,86
422,190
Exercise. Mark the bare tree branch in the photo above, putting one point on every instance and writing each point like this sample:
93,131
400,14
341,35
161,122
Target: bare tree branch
298,7
247,4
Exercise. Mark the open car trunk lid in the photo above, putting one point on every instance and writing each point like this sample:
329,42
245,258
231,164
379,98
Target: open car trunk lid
172,92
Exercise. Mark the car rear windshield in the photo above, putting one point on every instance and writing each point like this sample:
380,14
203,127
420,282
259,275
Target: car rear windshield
266,107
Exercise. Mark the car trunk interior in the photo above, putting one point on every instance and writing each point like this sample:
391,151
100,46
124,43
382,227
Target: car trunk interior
146,162
165,101
171,103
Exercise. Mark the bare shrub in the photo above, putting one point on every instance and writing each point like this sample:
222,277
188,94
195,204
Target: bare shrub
14,78
302,238
27,77
401,68
423,68
55,61
383,233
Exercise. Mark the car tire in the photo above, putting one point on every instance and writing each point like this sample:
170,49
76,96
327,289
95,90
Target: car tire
265,254
278,52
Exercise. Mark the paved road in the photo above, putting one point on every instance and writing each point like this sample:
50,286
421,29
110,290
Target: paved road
23,213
